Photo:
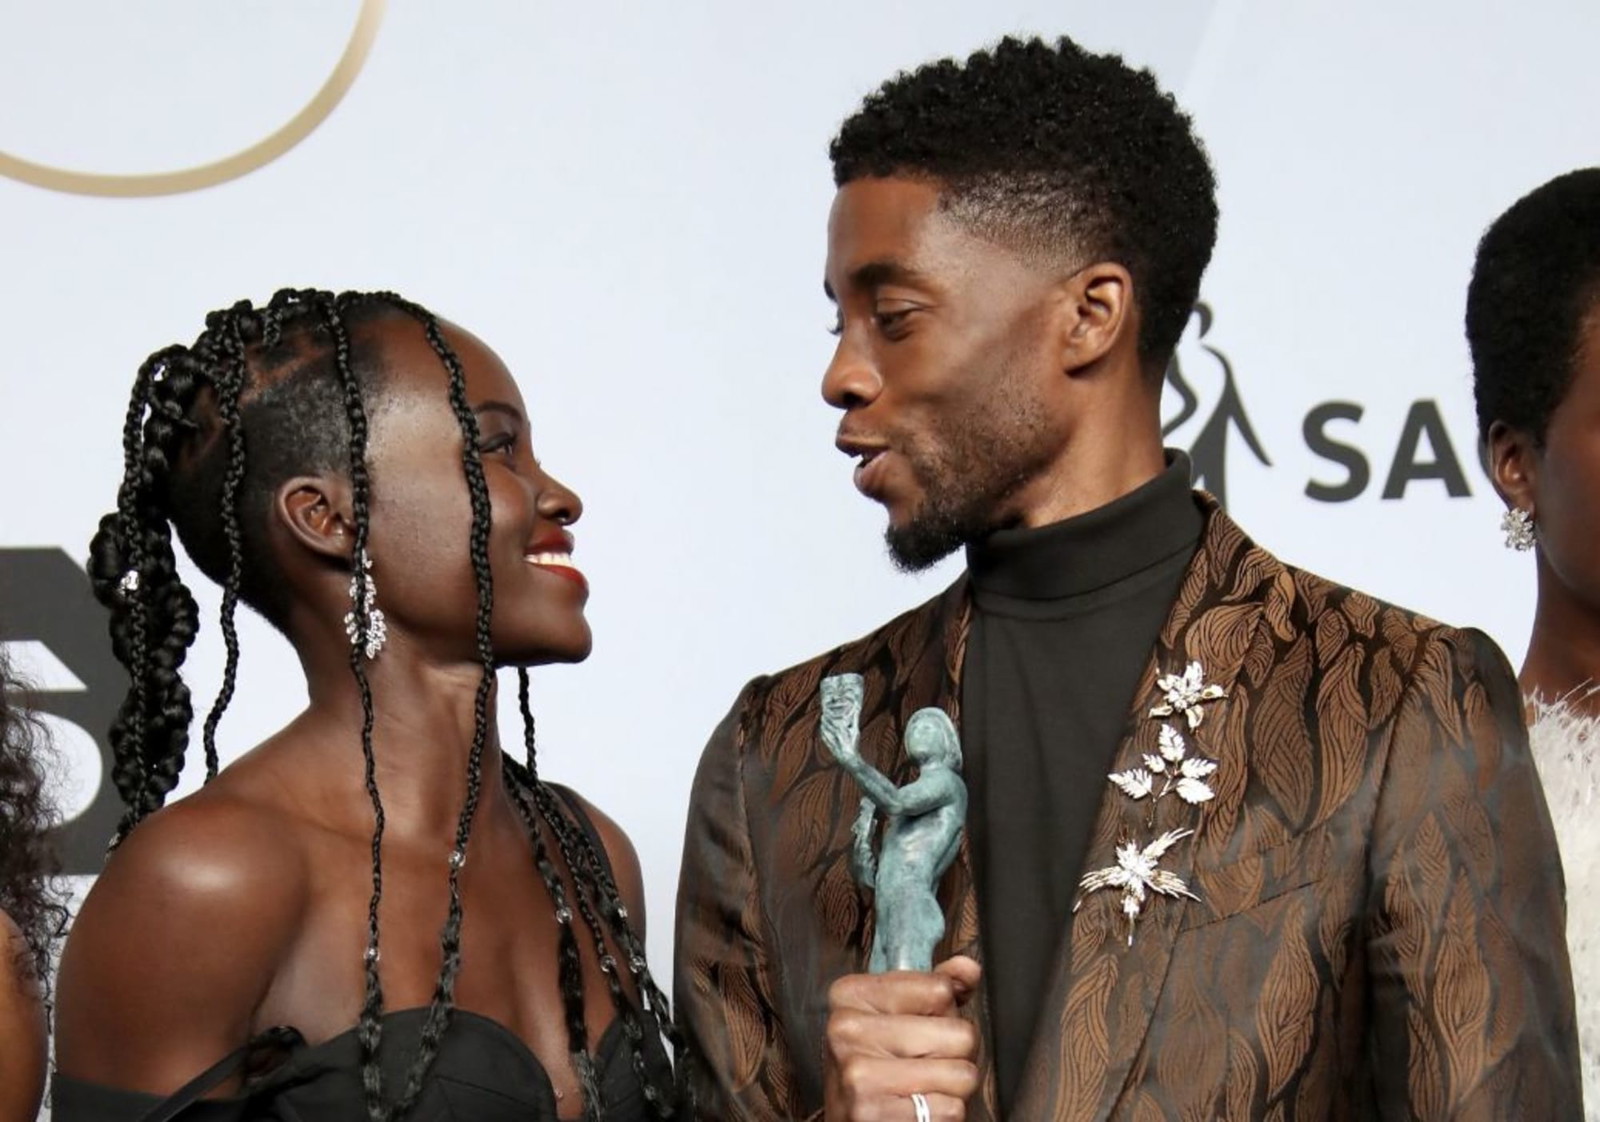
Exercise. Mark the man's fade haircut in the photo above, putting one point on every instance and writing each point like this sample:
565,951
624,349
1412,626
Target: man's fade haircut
1052,148
1536,279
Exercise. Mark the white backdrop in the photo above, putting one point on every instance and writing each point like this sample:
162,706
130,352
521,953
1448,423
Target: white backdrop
628,201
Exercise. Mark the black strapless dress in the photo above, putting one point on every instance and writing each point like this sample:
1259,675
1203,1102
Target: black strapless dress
484,1073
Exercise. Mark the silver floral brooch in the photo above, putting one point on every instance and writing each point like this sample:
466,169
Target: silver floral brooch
1183,774
1173,769
1185,694
1139,877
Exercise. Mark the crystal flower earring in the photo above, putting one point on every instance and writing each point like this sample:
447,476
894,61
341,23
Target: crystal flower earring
1518,527
364,591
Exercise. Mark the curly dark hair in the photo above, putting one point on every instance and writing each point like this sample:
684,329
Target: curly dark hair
296,382
1050,147
27,862
1536,278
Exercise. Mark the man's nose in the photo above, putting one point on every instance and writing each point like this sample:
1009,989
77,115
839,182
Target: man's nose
852,378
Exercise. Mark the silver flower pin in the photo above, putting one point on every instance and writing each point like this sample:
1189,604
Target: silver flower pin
1172,769
1186,693
1138,875
1137,782
1184,775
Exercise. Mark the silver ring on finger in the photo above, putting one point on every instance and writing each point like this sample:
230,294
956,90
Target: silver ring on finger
919,1103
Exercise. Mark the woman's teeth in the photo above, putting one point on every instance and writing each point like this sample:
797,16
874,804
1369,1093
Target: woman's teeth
559,560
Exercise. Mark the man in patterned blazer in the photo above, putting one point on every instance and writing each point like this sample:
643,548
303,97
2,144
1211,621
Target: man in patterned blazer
1242,843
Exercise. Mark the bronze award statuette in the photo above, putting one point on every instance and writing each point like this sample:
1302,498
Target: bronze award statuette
923,823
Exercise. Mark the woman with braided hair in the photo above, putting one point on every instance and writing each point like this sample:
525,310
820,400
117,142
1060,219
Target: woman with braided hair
374,912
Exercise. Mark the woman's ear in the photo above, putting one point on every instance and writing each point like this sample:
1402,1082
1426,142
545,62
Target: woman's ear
1513,467
316,512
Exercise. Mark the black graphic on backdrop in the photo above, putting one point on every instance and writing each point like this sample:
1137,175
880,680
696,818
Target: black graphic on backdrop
1423,453
1209,449
1424,426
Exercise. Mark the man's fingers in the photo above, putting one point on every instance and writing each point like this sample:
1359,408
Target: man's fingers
941,1108
894,1035
899,991
865,1079
854,1034
963,972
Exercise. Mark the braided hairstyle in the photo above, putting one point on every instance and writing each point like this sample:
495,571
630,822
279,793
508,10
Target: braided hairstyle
212,429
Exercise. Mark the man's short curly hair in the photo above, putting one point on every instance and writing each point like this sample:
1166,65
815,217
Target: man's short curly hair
1536,279
1055,149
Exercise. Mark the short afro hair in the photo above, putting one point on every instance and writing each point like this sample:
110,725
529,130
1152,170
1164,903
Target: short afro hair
1057,149
1536,279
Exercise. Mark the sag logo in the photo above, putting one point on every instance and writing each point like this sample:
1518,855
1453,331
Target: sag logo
257,155
1424,424
1208,448
55,633
1200,377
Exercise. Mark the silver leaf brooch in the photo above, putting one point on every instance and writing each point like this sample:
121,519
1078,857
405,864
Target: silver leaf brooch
1173,769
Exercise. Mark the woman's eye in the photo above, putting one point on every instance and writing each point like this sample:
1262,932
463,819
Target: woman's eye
505,442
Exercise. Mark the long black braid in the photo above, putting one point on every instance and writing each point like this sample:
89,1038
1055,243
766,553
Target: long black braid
133,571
230,386
442,1003
287,384
594,866
125,564
369,1031
632,1030
590,870
571,973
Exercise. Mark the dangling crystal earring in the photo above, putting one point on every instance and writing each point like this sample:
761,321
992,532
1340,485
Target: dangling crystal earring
1518,526
364,591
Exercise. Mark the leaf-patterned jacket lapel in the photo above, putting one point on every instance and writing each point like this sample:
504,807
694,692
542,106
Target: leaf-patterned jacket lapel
1077,1063
1103,991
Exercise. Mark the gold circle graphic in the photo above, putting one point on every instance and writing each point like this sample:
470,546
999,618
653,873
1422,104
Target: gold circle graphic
300,126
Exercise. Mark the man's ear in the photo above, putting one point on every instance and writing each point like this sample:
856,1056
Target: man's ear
316,511
1513,466
1095,312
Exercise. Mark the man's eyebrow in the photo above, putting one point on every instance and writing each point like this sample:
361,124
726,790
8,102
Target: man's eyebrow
873,273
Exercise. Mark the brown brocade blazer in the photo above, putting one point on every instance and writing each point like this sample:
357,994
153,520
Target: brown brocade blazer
1379,928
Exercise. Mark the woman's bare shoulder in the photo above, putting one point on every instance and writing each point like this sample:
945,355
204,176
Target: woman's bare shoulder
179,940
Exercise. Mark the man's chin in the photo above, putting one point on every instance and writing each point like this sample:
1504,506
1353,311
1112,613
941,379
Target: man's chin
916,546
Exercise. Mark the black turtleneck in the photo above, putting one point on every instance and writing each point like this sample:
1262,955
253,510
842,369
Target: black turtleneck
1065,617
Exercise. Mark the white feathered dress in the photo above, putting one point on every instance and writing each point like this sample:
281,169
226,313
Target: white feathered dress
1566,747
